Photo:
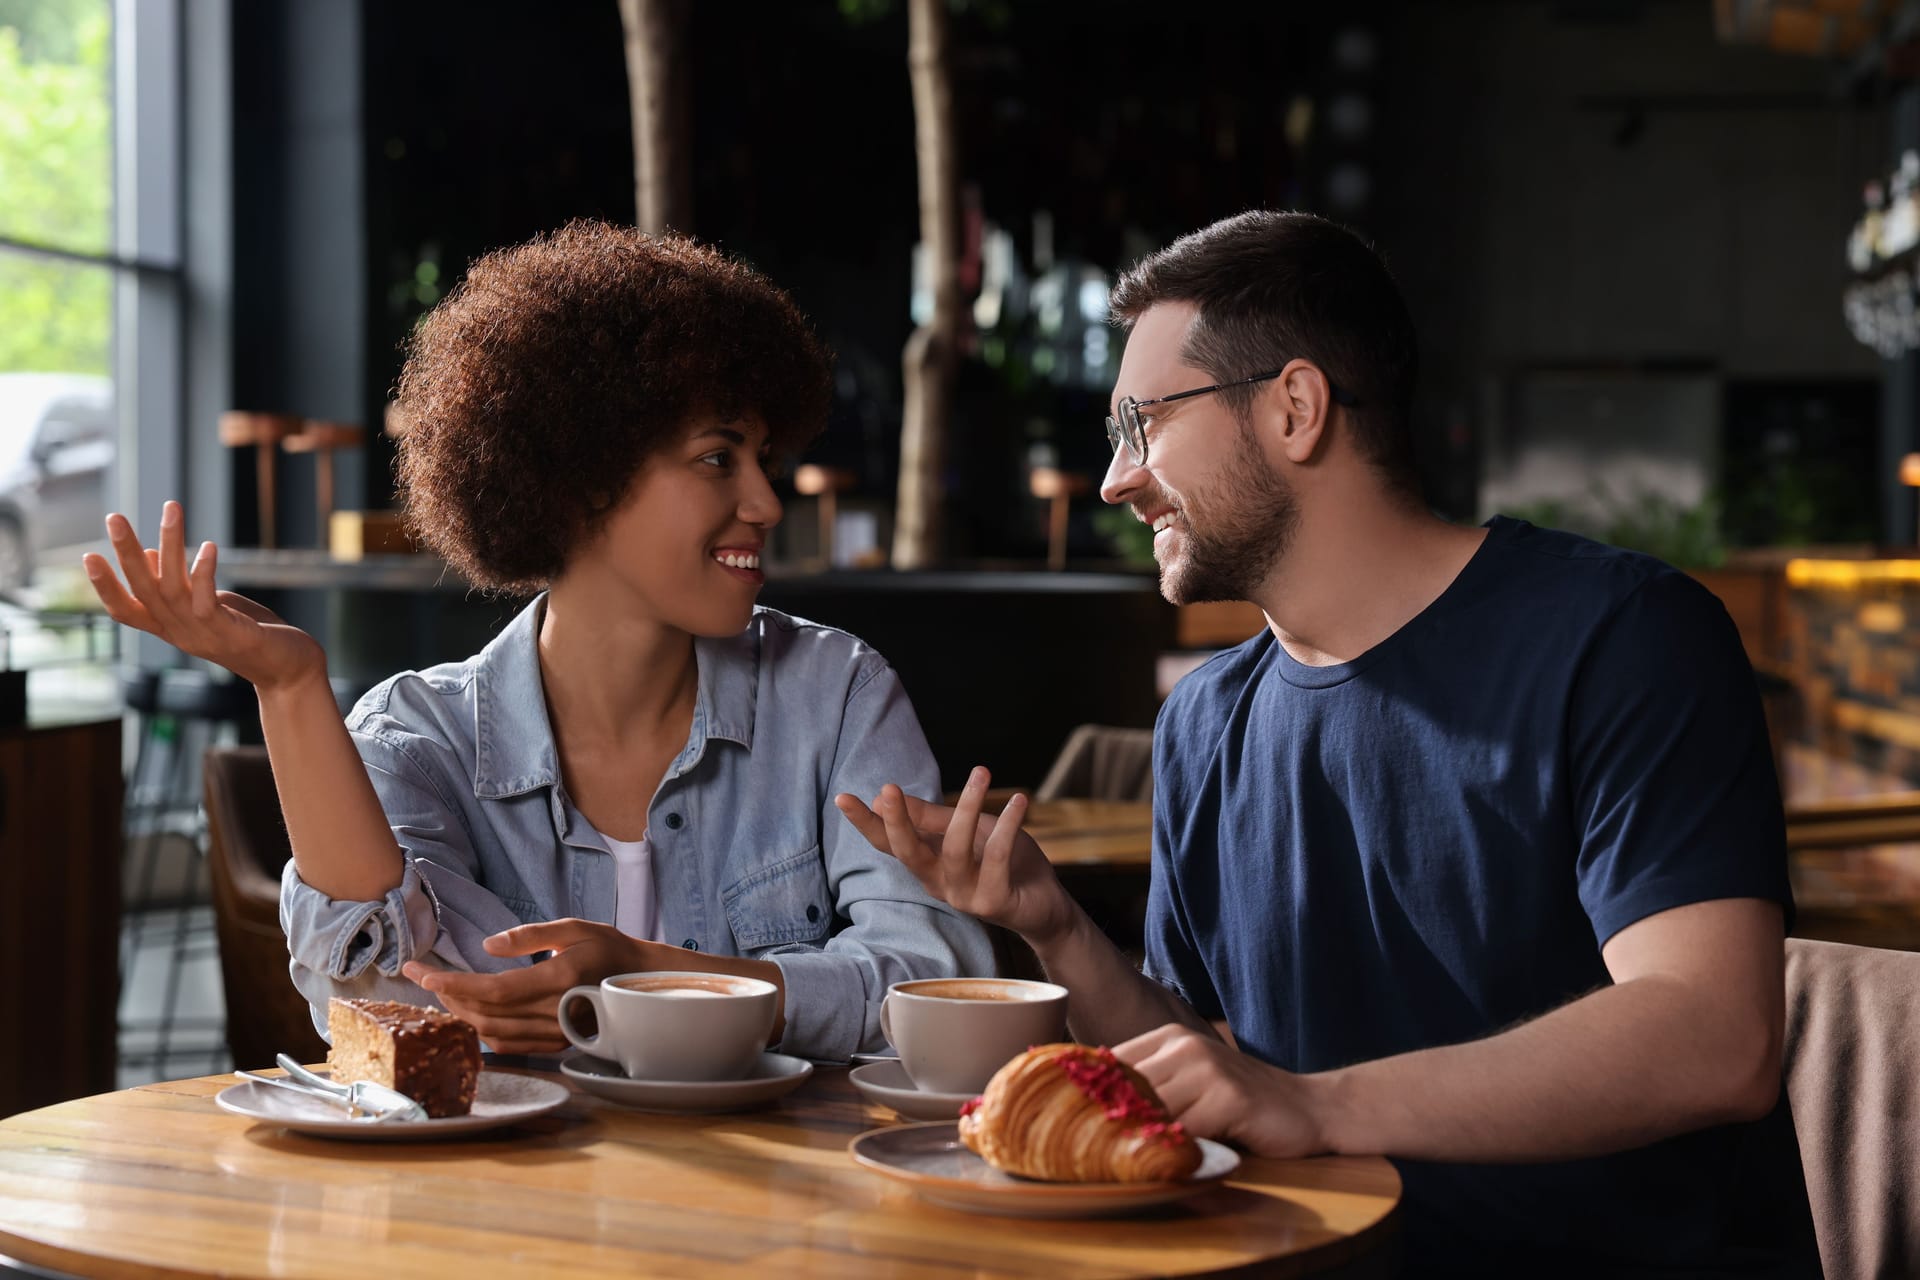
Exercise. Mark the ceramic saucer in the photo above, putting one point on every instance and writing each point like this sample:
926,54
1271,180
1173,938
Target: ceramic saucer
500,1098
930,1160
887,1084
773,1075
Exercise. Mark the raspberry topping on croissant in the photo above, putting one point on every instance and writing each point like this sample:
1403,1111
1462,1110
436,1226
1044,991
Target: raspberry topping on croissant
1075,1113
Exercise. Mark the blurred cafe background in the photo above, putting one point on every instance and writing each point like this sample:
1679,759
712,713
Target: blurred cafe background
1661,253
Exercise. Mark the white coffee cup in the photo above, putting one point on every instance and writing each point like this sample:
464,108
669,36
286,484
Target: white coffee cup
676,1025
954,1033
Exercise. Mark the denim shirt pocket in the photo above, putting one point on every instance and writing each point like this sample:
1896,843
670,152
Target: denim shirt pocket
780,904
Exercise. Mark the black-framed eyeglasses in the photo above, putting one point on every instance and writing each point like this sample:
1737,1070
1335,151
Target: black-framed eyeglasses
1130,429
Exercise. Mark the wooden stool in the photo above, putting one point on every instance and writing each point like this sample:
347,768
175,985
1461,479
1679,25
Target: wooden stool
1059,488
264,431
826,484
322,439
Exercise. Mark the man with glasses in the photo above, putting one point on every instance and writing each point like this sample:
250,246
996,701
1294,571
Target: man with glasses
1477,849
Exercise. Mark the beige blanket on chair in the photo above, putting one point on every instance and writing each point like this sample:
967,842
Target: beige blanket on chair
1853,1079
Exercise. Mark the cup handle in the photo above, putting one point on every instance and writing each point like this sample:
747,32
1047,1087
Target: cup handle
886,1023
591,995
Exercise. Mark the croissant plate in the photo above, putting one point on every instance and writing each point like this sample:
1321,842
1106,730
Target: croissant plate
1075,1113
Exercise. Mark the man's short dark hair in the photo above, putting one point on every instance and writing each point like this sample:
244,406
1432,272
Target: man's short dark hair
1277,286
535,391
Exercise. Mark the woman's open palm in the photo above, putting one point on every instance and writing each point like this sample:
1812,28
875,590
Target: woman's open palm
163,596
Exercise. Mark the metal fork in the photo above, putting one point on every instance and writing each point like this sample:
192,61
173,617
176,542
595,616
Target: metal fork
358,1113
363,1095
363,1100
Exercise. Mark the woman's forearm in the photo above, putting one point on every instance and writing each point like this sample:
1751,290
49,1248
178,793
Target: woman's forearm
342,845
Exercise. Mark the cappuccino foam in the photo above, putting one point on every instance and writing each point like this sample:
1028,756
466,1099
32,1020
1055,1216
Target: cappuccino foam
973,989
685,988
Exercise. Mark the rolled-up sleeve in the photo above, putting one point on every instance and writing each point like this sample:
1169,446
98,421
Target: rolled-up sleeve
342,938
896,931
437,912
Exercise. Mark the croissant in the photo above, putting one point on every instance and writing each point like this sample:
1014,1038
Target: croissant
1074,1113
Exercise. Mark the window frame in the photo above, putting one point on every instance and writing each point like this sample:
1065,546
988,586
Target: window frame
144,262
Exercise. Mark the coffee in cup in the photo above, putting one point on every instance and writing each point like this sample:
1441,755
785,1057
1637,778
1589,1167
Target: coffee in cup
680,984
954,1033
965,989
675,1025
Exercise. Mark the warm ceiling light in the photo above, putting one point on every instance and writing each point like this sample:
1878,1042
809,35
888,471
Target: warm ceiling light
1910,469
812,478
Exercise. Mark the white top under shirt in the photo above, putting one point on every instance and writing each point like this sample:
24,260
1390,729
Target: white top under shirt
636,912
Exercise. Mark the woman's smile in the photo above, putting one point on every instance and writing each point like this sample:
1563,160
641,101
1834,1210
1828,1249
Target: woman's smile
741,562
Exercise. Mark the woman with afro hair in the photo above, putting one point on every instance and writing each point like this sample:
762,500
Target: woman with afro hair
638,772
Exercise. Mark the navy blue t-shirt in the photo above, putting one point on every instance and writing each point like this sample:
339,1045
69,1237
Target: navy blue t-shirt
1431,843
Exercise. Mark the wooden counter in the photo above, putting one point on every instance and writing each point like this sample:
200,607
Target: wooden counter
60,801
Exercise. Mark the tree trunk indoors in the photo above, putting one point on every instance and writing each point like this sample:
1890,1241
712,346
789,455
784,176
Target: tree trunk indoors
657,94
928,362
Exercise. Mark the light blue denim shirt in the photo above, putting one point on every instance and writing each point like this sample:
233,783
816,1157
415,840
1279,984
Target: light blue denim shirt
750,858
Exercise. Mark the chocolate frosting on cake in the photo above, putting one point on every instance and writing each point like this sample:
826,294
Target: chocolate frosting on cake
427,1054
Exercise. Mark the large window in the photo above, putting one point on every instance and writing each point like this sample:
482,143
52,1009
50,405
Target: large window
90,317
59,435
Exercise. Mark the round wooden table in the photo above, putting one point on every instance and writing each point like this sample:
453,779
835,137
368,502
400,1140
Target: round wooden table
1093,835
157,1181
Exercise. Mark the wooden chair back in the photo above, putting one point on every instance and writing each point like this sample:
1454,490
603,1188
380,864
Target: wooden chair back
246,848
1102,762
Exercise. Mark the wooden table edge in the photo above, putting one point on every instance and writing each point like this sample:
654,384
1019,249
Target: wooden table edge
1338,1250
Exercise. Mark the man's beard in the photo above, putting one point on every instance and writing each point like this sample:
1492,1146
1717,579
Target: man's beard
1232,534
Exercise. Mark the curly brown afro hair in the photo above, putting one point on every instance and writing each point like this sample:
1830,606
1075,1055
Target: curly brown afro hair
536,390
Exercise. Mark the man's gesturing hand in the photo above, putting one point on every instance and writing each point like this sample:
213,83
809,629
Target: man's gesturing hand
1216,1091
985,866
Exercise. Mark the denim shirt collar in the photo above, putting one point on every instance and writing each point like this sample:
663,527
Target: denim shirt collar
515,750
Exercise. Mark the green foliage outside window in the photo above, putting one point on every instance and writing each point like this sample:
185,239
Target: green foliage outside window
56,184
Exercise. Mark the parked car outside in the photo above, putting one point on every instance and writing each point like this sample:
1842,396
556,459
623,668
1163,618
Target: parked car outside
58,438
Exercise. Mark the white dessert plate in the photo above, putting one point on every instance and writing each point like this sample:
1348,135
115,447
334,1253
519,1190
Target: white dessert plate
775,1074
932,1162
500,1098
888,1084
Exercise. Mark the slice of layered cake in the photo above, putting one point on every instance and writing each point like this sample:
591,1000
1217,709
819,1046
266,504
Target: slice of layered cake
427,1054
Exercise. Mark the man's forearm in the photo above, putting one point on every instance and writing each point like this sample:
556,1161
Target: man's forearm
1621,1067
1109,1001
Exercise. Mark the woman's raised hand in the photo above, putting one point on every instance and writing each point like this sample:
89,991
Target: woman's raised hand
985,866
165,597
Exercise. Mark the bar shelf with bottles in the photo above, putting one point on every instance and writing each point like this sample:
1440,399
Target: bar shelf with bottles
1883,249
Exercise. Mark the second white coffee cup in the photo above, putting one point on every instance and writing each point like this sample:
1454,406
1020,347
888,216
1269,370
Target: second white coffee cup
954,1033
676,1025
